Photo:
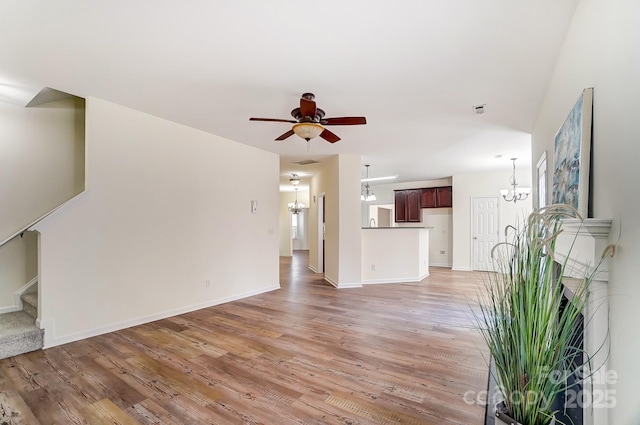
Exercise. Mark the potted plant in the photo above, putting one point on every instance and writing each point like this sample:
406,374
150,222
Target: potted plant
528,327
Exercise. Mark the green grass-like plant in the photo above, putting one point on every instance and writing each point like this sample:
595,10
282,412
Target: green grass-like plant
529,333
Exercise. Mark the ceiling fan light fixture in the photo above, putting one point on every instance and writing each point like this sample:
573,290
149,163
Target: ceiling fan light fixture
307,130
294,179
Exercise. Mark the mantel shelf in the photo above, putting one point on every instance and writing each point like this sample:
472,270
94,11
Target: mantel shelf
596,227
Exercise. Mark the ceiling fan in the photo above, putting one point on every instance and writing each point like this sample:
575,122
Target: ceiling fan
310,121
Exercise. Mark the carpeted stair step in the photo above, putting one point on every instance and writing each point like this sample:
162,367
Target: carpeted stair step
19,334
30,304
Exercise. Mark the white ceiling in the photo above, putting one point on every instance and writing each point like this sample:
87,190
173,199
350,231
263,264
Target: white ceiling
415,69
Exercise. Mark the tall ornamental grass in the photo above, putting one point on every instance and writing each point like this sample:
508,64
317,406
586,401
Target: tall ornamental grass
529,334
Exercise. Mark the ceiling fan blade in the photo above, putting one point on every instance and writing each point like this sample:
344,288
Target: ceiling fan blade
285,135
329,136
272,120
344,121
307,108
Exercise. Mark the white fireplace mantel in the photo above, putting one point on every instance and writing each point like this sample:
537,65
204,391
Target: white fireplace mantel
580,246
584,242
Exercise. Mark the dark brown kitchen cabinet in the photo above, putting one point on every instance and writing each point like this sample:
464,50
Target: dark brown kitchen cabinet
409,202
436,197
400,206
407,206
444,197
428,199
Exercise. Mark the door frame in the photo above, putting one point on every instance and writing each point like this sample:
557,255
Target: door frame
320,248
473,226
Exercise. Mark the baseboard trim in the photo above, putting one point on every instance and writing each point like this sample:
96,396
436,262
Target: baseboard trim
342,285
403,280
331,281
349,285
10,309
52,340
313,269
461,269
440,265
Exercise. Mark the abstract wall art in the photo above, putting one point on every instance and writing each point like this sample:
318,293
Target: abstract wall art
572,156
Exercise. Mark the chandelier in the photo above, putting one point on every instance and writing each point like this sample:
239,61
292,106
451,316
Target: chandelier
366,194
296,207
515,194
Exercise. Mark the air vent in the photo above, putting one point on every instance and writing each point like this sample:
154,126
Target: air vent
306,162
479,109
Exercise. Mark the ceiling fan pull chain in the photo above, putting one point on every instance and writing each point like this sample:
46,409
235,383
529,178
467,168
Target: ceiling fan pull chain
308,141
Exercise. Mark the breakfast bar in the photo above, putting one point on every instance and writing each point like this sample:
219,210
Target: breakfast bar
394,254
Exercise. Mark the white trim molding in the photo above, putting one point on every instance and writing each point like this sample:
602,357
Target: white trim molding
402,280
51,339
341,285
581,244
461,269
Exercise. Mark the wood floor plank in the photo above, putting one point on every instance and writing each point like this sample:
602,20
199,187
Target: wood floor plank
400,353
14,411
148,412
105,412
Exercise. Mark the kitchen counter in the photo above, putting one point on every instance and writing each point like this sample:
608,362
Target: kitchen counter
391,256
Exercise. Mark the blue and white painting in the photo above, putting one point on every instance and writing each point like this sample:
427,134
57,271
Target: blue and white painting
567,159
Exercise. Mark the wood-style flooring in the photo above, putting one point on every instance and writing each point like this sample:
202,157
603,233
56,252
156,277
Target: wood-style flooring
305,354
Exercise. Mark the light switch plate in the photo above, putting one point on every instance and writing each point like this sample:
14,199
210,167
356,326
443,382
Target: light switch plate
254,206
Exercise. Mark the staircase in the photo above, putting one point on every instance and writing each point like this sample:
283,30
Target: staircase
18,331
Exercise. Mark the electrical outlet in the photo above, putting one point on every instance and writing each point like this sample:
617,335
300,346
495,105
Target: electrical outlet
373,267
442,251
207,283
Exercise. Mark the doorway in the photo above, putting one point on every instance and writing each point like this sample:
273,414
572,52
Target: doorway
299,231
484,232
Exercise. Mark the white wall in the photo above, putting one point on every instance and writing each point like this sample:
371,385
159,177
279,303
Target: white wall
467,186
339,181
42,153
160,229
349,218
18,266
601,51
42,150
440,222
394,255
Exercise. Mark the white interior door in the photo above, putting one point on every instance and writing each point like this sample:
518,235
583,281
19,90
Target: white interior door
484,232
